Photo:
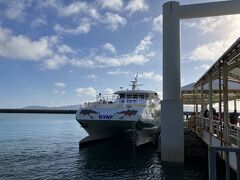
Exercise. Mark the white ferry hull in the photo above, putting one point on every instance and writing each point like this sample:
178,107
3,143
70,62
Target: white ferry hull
98,130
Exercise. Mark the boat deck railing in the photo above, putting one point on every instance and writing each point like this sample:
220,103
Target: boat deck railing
106,98
113,98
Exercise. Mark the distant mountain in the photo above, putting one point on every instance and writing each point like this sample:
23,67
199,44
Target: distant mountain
35,107
69,107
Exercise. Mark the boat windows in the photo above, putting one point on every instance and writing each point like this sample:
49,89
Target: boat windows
129,96
146,96
135,96
141,96
121,96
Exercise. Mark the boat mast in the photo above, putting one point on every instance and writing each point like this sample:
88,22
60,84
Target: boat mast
135,82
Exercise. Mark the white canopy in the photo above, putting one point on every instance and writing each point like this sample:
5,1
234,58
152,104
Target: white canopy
188,92
229,63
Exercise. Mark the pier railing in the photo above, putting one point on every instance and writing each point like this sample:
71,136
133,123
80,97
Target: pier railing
216,128
212,161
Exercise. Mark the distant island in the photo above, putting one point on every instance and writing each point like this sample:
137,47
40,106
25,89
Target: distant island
70,109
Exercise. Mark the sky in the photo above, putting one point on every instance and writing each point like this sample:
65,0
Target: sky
56,53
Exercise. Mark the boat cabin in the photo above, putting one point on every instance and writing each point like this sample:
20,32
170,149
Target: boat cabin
128,97
133,96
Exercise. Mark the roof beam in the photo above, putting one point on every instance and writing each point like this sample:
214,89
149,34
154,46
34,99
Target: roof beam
209,9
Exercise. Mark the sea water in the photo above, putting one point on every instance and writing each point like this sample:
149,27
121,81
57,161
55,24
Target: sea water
46,146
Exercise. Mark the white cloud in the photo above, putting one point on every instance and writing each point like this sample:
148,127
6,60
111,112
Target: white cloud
203,66
82,28
14,9
73,8
85,63
59,92
113,21
90,91
118,72
108,91
208,24
59,84
65,49
139,56
109,47
55,62
92,76
111,4
136,5
157,23
226,27
144,44
54,55
21,47
93,13
210,51
123,60
38,22
151,76
89,14
147,19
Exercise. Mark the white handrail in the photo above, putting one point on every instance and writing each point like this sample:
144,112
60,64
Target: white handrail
217,128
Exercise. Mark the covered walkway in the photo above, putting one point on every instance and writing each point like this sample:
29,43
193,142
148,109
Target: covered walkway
219,85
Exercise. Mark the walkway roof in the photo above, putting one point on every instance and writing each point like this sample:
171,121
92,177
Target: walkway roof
232,58
188,92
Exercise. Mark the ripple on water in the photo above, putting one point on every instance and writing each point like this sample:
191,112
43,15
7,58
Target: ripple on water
47,147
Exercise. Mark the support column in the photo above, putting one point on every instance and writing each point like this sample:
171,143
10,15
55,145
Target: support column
172,129
220,103
196,120
235,105
225,101
196,91
210,94
202,101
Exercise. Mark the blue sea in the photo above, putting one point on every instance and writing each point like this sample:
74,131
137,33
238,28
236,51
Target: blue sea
46,146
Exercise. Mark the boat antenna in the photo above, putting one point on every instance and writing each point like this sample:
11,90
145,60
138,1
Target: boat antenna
135,83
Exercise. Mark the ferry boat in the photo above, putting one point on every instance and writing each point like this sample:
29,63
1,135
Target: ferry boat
132,110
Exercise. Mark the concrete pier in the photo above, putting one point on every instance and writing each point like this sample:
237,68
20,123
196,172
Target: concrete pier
172,140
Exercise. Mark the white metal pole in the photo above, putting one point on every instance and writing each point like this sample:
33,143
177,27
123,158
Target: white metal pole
172,131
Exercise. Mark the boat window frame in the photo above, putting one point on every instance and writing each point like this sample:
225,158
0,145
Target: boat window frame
141,96
129,96
146,96
135,96
122,96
